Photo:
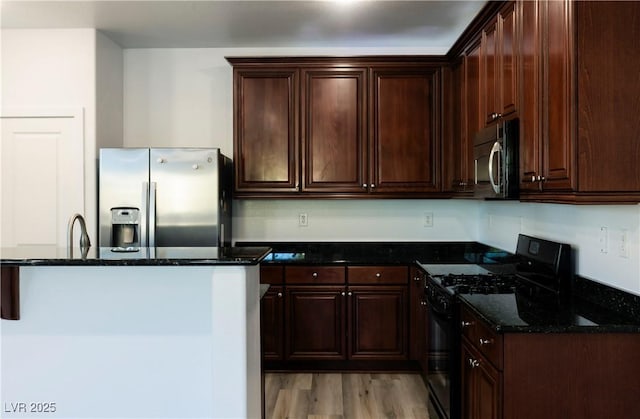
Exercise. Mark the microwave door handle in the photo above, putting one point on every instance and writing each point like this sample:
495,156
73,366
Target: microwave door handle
495,149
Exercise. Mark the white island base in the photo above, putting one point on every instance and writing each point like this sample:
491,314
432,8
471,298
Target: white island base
133,342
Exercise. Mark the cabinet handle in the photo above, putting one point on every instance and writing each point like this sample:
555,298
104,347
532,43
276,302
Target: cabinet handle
423,303
541,179
473,363
493,116
279,294
416,278
465,324
485,341
315,274
378,274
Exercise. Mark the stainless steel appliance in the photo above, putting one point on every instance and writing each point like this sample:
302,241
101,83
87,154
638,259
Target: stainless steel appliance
543,270
164,197
495,157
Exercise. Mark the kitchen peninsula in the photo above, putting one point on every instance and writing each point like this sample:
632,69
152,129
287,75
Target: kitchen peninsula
154,333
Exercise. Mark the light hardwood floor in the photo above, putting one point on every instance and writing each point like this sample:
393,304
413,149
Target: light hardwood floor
345,396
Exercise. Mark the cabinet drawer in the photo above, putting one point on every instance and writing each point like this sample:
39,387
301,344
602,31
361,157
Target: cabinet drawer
272,275
314,275
378,274
486,340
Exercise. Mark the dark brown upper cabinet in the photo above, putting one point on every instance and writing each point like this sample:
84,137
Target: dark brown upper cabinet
405,146
265,120
579,101
498,65
334,130
337,127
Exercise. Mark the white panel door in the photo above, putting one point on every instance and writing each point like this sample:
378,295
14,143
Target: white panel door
42,167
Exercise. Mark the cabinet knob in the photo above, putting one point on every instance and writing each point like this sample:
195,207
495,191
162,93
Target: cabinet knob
364,186
373,185
279,294
473,363
465,324
349,293
485,341
378,274
416,278
541,179
315,274
343,293
423,303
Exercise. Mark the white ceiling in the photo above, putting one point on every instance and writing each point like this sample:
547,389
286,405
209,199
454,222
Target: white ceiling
253,24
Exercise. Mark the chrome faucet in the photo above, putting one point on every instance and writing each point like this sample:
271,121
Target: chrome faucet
85,243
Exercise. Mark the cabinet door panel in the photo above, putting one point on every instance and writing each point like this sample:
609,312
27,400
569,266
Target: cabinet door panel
558,147
405,131
271,324
334,129
488,72
530,96
265,152
378,322
508,64
315,323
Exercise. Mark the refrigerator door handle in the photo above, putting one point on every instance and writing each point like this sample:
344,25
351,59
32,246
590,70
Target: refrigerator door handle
143,215
152,214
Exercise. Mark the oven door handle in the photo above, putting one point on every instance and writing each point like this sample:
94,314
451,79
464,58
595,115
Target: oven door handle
442,315
497,148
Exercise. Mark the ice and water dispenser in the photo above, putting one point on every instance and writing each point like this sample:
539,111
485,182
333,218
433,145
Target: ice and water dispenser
125,227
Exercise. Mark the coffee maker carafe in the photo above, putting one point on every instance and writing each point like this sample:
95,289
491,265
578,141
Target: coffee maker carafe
125,227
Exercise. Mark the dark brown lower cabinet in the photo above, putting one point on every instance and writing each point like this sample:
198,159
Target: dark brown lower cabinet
272,324
315,326
313,313
481,385
377,322
548,375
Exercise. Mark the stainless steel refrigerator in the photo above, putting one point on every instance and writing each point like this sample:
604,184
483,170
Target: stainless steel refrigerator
164,197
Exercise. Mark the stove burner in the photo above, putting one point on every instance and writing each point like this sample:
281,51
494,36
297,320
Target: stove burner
478,284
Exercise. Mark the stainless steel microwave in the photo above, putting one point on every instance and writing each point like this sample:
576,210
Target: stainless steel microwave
495,158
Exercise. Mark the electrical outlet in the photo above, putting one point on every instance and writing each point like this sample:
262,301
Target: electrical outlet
604,240
303,219
428,219
623,244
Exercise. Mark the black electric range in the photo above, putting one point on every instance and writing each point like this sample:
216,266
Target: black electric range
541,272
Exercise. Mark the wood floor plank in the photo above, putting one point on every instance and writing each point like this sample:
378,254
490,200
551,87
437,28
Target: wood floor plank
326,395
345,396
358,396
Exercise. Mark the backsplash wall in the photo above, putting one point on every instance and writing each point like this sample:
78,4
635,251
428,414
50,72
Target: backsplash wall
354,220
599,255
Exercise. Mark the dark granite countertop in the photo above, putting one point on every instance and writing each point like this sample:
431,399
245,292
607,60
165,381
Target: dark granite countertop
106,256
379,253
594,308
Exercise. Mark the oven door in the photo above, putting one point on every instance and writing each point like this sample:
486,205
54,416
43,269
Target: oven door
443,373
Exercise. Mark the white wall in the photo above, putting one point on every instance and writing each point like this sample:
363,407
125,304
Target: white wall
59,69
579,225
